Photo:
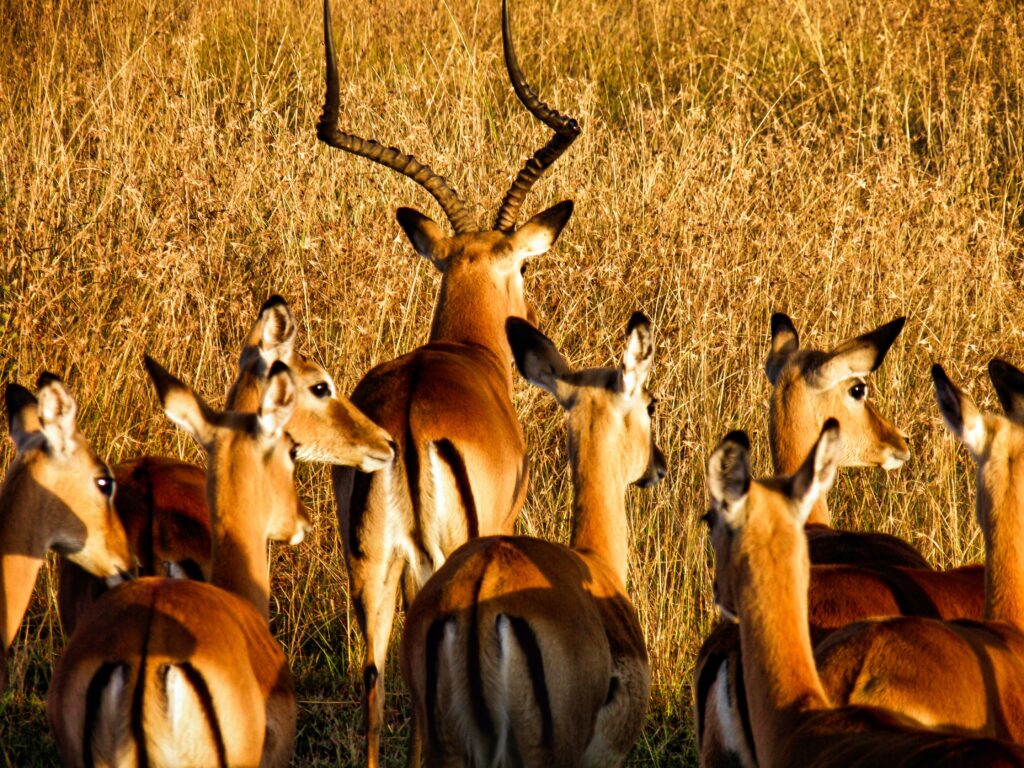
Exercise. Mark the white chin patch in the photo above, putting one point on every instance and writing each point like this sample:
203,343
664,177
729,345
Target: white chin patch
298,537
891,462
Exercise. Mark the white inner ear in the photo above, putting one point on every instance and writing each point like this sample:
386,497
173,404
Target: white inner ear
636,361
56,411
277,405
532,240
973,434
278,338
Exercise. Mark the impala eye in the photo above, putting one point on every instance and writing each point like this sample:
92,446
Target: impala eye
650,406
321,390
859,391
522,269
105,484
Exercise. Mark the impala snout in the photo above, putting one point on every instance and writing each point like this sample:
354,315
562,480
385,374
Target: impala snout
378,457
656,470
896,455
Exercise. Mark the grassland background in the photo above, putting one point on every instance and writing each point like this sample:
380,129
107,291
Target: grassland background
845,162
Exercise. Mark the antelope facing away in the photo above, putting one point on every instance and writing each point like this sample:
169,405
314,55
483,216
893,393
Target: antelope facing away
461,468
967,676
857,575
525,652
171,672
56,495
762,573
162,501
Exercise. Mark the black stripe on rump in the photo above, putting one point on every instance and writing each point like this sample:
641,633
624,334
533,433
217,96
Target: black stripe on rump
447,451
93,693
476,683
535,664
434,636
198,683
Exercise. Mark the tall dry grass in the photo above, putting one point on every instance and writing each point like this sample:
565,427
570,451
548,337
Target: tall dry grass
843,161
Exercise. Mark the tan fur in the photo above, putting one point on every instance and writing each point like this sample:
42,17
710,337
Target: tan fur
808,387
961,676
55,495
766,571
219,629
589,678
162,501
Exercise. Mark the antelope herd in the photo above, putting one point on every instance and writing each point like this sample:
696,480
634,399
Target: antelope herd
836,648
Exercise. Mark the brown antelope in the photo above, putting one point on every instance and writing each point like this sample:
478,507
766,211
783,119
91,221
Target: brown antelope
762,573
162,501
967,676
520,651
857,575
55,495
170,672
461,468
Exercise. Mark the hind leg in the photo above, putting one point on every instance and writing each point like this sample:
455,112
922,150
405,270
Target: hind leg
375,595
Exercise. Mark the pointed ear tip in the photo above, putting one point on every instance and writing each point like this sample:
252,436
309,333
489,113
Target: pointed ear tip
939,374
46,378
638,320
830,428
779,322
278,368
275,300
739,437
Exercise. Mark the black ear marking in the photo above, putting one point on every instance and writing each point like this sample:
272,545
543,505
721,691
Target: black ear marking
276,300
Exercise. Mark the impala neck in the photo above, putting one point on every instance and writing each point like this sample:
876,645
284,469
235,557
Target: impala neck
468,313
778,664
23,547
239,550
599,505
792,436
1001,525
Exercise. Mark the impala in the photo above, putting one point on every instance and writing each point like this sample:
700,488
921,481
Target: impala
172,672
967,676
762,573
522,651
858,575
461,468
56,495
162,501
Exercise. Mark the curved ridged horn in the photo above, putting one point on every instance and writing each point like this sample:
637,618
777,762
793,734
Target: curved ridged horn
328,132
566,130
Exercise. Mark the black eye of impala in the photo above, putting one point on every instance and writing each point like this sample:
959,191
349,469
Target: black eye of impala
293,452
321,390
859,391
522,269
650,406
105,484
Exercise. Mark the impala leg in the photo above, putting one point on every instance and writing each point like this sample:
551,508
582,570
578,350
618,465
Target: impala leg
376,597
415,742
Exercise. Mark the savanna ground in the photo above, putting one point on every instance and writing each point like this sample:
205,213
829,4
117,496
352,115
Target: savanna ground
845,162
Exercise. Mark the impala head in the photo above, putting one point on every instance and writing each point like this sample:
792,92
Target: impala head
480,269
66,485
753,523
609,409
810,386
326,426
250,455
995,441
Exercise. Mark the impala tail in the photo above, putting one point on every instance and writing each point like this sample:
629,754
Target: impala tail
490,669
161,715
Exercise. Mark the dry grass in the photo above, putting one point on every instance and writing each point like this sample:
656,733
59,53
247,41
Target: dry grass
843,161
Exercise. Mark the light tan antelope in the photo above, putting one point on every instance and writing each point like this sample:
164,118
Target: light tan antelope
55,495
461,468
966,676
526,652
162,501
857,574
173,672
762,571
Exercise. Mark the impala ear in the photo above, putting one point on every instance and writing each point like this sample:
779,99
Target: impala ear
785,341
426,237
1009,384
959,411
729,478
23,417
273,333
538,234
638,356
181,405
855,357
816,475
278,402
537,358
57,411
